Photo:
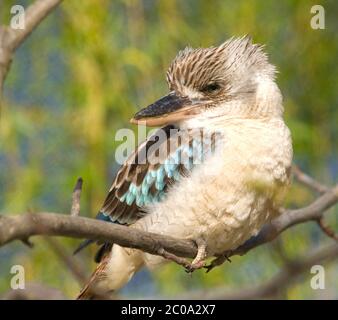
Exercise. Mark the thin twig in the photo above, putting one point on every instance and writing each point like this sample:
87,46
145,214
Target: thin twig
28,243
75,209
308,181
326,229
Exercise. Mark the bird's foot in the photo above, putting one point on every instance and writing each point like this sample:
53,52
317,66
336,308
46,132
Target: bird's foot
218,261
190,268
199,261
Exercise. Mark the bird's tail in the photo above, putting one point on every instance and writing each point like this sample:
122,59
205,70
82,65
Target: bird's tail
112,273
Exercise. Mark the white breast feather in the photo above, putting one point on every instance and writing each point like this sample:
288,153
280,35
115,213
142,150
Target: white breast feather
227,199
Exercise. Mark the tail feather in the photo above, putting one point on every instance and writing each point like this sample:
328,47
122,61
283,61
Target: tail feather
83,245
91,290
116,268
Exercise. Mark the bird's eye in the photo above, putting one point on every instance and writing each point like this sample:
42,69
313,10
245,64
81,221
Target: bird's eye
211,88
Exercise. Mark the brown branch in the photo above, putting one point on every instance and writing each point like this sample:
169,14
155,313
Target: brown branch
54,224
75,210
308,181
24,226
11,39
286,220
291,271
289,218
326,229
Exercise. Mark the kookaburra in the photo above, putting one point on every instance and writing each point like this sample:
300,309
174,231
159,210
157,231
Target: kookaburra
214,173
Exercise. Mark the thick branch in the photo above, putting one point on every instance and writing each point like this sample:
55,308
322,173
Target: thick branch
26,225
21,227
289,218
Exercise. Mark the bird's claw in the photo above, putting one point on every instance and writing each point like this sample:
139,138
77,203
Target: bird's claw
190,268
199,261
209,267
216,262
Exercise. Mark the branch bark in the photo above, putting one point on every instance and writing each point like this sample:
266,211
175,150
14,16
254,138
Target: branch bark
21,227
290,218
75,209
11,39
308,181
291,271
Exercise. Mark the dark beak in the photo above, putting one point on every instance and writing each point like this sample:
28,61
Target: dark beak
169,109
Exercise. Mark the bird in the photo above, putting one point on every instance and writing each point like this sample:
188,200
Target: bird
214,172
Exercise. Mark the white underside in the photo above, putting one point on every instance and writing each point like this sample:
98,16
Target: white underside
229,197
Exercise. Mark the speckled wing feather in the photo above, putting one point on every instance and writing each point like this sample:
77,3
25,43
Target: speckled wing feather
148,173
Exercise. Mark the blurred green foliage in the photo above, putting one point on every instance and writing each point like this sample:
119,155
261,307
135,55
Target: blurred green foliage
91,64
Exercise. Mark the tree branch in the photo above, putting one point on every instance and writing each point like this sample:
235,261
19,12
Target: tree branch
290,218
326,229
308,181
291,271
75,209
287,219
22,227
11,39
54,224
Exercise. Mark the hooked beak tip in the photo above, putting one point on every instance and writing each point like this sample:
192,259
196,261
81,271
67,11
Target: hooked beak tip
136,120
169,108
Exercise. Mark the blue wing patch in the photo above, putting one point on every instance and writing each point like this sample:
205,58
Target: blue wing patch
139,184
158,178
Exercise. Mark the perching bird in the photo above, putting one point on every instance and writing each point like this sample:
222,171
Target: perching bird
216,171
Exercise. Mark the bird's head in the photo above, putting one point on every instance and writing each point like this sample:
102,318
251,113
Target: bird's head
233,80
